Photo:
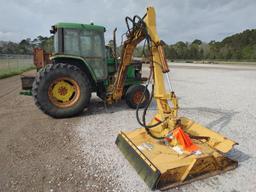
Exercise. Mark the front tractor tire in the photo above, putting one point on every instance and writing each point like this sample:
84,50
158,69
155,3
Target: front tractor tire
137,95
61,90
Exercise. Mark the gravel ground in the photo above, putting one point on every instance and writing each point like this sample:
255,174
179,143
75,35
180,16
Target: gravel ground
39,153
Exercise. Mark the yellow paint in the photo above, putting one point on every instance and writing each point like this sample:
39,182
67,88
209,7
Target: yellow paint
163,157
165,112
65,96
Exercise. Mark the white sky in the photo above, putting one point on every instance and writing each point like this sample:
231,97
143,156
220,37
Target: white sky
184,20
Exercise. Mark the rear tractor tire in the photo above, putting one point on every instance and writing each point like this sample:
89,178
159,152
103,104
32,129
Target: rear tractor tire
134,95
61,90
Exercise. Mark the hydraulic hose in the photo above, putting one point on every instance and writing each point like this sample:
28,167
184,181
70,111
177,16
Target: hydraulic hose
140,25
143,123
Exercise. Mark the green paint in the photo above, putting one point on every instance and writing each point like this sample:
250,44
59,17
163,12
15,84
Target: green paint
61,56
26,92
80,26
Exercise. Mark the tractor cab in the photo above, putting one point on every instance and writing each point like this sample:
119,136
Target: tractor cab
84,42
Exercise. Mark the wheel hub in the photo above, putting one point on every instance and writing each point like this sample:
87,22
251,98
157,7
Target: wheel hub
64,92
137,97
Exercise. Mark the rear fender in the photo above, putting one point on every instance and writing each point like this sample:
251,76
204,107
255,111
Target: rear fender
80,63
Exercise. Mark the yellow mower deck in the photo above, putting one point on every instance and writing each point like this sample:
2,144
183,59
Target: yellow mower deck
162,167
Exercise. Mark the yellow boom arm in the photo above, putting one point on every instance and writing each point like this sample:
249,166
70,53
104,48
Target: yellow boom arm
159,65
166,112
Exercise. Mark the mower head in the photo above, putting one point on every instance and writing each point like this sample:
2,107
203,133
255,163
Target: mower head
164,166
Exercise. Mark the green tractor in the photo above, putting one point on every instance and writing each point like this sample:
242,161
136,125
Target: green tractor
81,65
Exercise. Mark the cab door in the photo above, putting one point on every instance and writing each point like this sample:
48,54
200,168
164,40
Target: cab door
93,51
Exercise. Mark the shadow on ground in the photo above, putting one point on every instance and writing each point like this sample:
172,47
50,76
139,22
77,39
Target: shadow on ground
224,116
97,106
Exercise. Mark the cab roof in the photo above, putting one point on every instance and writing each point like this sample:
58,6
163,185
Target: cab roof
80,26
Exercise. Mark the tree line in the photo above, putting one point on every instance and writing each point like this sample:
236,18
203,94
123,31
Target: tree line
241,46
26,46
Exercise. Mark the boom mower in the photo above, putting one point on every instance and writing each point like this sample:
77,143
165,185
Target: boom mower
169,150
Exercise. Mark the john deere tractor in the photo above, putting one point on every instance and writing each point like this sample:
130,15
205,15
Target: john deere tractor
82,64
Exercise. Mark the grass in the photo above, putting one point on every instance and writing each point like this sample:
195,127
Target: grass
4,73
11,65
